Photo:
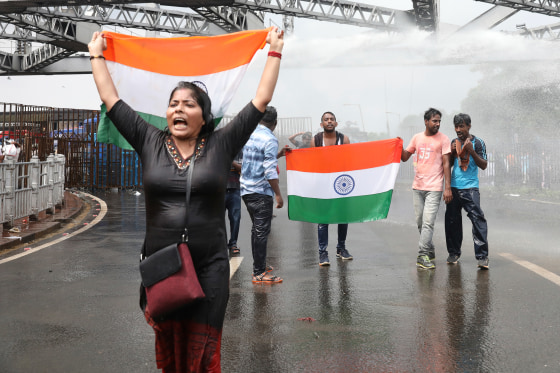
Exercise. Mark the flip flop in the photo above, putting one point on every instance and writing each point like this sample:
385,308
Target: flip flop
265,278
235,250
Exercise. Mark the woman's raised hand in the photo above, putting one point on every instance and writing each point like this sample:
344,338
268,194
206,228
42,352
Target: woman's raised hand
97,44
275,39
105,86
269,77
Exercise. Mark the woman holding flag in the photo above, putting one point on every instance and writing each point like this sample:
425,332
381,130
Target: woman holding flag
188,340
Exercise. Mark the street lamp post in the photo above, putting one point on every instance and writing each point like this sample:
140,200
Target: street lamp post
361,115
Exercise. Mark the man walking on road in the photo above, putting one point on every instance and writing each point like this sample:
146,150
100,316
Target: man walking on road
469,154
432,149
329,137
259,185
233,203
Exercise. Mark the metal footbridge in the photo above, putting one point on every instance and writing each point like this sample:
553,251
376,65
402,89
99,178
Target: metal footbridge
53,39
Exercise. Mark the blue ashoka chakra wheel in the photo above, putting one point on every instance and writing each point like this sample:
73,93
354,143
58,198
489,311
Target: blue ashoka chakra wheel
344,184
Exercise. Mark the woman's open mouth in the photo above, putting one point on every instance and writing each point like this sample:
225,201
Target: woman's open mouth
180,123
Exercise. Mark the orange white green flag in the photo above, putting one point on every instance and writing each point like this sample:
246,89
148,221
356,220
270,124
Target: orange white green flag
145,71
344,183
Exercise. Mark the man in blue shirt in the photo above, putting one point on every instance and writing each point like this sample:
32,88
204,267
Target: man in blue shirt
469,154
259,185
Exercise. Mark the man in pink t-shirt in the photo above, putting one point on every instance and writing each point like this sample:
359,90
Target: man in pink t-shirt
431,167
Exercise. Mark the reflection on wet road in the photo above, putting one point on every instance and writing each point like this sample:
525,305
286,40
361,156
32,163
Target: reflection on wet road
73,306
379,313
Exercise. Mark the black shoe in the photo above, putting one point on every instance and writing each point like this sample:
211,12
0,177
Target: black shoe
483,263
345,255
324,259
452,259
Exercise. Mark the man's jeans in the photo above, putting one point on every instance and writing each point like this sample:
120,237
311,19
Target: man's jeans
468,199
259,207
233,207
426,205
323,233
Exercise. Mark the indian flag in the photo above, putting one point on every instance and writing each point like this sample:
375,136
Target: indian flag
343,183
145,71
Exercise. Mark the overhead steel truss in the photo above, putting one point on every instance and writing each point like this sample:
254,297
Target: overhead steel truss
19,6
63,29
58,26
48,20
548,32
547,7
339,11
427,14
227,18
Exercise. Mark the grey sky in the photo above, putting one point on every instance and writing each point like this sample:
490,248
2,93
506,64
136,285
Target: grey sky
347,70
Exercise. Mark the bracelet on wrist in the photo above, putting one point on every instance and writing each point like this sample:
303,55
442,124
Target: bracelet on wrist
92,57
275,54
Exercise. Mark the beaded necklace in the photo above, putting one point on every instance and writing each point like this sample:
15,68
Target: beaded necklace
174,152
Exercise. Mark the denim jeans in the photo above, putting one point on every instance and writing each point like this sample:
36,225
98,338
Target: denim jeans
233,207
426,206
323,234
468,199
259,207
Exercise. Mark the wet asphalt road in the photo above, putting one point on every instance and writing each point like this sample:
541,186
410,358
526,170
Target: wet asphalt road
72,307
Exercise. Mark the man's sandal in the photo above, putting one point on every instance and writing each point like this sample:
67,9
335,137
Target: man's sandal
269,268
265,278
235,250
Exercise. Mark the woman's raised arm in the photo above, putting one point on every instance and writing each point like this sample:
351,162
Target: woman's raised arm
269,76
105,86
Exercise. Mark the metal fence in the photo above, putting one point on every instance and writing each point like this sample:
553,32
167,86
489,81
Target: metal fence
512,163
285,127
44,131
28,188
517,166
522,164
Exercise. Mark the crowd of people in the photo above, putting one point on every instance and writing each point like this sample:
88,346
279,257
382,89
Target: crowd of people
444,169
239,162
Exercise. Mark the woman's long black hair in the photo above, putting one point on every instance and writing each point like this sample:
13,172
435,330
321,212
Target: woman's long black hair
202,99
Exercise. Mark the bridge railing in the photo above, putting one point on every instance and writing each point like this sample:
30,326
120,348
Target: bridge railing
29,188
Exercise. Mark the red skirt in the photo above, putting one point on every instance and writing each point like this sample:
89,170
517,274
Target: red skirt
184,346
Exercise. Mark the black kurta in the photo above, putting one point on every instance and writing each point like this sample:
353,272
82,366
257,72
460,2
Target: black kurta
164,187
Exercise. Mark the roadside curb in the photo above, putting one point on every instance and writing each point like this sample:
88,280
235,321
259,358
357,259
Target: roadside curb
30,231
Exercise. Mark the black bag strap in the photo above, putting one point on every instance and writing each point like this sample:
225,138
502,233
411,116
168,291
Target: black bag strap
190,170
